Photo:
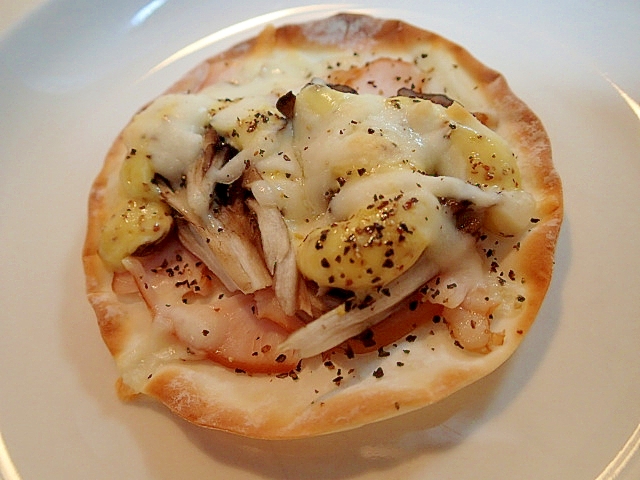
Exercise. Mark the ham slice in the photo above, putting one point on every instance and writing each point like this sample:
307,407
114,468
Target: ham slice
182,295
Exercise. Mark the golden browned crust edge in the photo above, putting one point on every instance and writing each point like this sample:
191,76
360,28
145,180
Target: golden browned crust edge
113,326
188,393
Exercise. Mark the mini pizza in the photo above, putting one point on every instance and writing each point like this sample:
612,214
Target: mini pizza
327,225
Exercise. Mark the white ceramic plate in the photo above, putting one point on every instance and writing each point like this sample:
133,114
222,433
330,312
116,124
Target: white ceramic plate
567,405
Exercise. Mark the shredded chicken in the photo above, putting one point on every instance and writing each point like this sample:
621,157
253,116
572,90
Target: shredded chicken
355,315
279,254
225,327
224,236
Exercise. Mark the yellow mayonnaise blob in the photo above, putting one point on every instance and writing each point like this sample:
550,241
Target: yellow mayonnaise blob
372,247
136,177
133,225
487,158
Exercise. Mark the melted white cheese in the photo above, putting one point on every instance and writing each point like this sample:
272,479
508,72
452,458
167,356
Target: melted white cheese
170,131
339,152
345,165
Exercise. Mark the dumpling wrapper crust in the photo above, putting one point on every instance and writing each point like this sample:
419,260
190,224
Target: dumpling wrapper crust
263,406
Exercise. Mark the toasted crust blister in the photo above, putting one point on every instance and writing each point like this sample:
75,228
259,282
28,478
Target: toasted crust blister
415,373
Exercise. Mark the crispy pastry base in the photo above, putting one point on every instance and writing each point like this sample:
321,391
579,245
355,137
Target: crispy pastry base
432,368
